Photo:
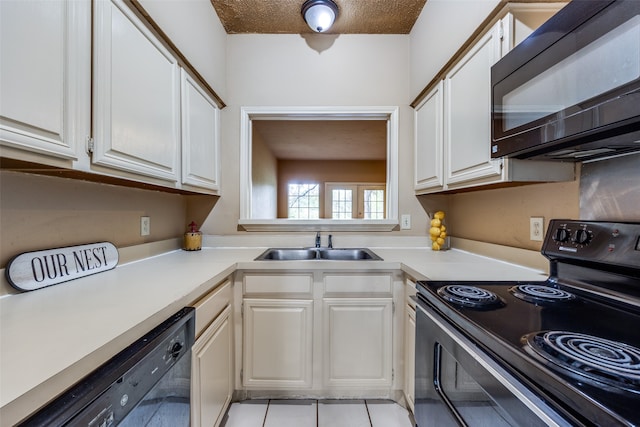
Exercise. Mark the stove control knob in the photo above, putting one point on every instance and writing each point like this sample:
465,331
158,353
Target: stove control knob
582,237
561,235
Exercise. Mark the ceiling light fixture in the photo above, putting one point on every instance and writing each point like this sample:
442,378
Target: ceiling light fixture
319,14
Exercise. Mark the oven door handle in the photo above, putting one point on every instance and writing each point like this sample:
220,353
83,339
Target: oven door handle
526,396
437,381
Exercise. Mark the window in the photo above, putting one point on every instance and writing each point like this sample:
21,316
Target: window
373,203
341,203
303,201
347,201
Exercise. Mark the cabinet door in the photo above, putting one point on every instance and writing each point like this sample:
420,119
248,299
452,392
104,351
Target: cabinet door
468,113
212,373
409,358
44,75
357,337
278,338
136,95
200,130
429,140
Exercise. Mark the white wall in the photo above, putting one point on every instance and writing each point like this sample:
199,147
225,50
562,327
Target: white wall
289,70
194,27
441,29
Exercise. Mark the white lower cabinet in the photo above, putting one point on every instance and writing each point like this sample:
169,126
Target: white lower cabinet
212,372
212,357
409,341
278,338
319,334
358,342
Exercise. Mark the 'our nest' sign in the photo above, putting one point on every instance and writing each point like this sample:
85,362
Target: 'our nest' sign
34,270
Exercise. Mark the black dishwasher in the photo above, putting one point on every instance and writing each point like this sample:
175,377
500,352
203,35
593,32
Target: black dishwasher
146,384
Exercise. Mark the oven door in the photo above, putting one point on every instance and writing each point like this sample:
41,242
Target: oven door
457,384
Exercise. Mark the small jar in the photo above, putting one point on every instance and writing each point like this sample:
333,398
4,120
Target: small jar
193,238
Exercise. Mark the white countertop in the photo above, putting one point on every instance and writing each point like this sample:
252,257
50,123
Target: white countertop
52,337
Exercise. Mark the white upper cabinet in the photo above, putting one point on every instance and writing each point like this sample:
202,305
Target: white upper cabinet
468,110
453,121
200,136
136,96
44,71
429,140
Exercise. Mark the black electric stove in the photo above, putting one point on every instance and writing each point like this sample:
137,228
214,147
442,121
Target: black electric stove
574,339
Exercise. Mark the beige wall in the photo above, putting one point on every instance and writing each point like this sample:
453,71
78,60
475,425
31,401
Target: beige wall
194,27
40,212
264,180
317,70
501,216
441,29
370,171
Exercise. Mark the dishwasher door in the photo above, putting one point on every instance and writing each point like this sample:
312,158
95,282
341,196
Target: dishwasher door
146,384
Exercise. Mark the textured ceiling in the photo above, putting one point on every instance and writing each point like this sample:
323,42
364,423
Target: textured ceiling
324,139
285,17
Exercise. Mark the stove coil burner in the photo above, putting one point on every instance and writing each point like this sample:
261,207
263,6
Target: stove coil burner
541,294
470,296
603,361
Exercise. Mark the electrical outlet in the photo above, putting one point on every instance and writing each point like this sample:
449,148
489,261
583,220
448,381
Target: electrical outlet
145,225
536,228
405,222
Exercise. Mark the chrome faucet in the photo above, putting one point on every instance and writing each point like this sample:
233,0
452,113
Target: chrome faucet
318,239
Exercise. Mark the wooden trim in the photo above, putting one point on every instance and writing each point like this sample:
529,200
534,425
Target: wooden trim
182,60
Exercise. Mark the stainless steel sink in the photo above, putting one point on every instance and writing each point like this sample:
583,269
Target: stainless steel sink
359,254
301,254
287,254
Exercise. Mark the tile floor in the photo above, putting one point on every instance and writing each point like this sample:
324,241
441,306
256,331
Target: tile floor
317,413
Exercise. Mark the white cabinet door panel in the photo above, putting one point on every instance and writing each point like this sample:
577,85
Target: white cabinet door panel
409,360
467,117
358,342
278,338
43,66
200,130
136,96
429,140
212,374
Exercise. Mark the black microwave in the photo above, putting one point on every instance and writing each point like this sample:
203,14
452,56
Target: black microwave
571,90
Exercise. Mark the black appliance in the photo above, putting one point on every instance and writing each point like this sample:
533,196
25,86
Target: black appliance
563,351
146,384
571,90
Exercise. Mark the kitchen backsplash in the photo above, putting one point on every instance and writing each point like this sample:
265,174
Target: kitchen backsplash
610,189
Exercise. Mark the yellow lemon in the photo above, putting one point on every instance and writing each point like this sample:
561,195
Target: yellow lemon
436,222
439,215
443,228
434,231
440,241
435,246
443,235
